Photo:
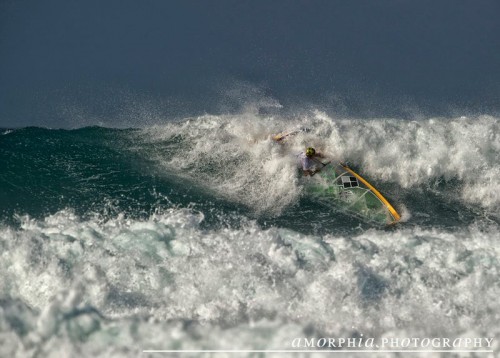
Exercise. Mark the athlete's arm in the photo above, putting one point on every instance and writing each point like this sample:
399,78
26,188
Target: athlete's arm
310,173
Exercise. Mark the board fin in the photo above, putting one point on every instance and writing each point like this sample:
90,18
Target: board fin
286,134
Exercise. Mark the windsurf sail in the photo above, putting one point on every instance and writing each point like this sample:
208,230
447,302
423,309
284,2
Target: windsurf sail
394,213
340,187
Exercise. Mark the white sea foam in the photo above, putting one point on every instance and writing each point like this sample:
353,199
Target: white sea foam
234,156
84,287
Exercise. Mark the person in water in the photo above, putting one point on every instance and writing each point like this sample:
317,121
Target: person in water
310,162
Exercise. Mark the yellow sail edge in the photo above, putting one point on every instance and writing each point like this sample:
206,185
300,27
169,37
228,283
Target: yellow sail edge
391,209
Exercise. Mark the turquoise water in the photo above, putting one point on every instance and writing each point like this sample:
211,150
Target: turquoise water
199,234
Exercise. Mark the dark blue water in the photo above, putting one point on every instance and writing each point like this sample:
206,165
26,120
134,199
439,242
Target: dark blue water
121,63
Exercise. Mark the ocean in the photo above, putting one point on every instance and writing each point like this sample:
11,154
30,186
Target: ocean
198,234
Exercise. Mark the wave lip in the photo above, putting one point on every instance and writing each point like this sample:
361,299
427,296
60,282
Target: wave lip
234,156
232,160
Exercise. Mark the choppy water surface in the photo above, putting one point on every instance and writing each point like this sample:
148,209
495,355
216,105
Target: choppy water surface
198,235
